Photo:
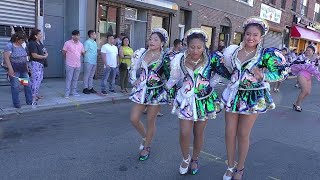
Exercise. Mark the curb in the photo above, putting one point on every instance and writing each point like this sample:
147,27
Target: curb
13,111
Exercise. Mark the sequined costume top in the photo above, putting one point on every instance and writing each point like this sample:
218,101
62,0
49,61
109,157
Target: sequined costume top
196,99
245,94
149,88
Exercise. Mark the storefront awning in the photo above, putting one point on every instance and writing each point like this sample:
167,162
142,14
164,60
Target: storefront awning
161,3
300,32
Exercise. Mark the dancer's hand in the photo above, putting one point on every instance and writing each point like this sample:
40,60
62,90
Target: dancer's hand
258,74
222,60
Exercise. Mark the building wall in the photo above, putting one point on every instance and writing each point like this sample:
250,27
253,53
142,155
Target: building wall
215,18
71,17
121,5
214,13
286,15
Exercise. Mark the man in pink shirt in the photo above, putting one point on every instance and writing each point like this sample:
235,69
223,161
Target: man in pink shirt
72,51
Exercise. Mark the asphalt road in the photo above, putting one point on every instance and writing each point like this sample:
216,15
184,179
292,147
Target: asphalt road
97,141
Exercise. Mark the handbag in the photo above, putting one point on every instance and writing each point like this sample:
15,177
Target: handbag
123,66
45,63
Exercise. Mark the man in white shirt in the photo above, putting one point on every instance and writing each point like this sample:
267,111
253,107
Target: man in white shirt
109,54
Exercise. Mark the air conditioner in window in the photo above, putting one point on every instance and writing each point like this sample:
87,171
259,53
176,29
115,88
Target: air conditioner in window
131,13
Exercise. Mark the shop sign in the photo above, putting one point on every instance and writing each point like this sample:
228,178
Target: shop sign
301,20
161,3
270,13
315,25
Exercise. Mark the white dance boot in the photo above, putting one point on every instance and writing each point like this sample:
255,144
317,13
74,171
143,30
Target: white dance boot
185,170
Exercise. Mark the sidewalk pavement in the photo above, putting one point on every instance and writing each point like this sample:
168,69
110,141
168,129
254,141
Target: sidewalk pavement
53,91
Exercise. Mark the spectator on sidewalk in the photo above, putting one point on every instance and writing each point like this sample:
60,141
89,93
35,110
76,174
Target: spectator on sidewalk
294,54
177,48
38,55
90,62
221,46
118,40
110,58
15,56
125,53
72,51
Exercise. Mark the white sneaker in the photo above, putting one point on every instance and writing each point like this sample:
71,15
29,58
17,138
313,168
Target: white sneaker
142,144
34,104
76,94
225,177
185,170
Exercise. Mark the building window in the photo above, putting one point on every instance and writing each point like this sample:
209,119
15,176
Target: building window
272,2
304,7
294,43
249,2
294,5
316,12
108,22
210,32
5,31
283,4
237,38
163,22
156,21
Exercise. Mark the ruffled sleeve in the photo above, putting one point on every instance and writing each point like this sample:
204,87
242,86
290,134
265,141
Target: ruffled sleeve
218,66
166,65
215,79
175,71
275,64
299,60
135,64
227,55
175,76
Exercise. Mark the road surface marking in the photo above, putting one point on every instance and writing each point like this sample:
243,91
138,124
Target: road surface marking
273,178
220,160
208,154
213,159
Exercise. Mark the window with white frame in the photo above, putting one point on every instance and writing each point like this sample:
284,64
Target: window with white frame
249,2
316,16
304,7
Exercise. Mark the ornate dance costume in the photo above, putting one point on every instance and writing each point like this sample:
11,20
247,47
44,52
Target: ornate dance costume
245,94
196,99
150,87
305,67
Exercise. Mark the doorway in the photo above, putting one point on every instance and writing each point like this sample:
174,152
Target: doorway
54,38
224,36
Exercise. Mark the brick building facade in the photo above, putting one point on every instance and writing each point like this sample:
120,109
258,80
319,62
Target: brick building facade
133,18
305,28
226,19
222,21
